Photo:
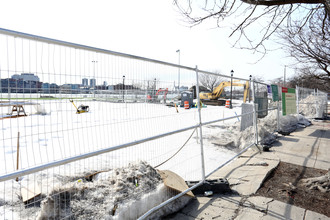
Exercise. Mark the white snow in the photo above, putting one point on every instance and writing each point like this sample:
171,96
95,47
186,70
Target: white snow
313,106
53,131
127,193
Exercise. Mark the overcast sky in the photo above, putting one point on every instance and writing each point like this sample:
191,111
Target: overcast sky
148,28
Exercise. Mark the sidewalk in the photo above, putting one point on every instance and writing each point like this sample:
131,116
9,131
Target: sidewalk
308,147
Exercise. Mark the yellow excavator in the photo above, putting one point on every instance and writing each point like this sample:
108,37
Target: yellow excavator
81,108
212,98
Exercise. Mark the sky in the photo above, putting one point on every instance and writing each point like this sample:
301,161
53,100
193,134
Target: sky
147,28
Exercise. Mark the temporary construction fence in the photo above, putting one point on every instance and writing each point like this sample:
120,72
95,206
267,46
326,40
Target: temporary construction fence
60,159
312,103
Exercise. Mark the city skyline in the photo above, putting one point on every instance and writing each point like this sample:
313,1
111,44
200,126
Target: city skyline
30,83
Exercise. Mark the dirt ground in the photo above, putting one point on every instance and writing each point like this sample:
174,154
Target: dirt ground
277,186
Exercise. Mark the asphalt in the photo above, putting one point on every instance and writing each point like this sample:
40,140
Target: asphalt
309,147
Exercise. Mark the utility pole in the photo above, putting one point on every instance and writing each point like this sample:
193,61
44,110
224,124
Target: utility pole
284,83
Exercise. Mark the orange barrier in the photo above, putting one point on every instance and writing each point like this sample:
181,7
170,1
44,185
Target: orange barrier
227,104
186,104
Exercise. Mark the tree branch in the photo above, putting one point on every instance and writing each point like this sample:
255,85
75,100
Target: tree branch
282,2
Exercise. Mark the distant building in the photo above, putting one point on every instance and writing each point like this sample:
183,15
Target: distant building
26,77
23,83
49,88
54,88
85,82
70,88
101,87
45,88
8,85
121,86
92,83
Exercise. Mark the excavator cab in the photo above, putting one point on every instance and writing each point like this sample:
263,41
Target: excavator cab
81,108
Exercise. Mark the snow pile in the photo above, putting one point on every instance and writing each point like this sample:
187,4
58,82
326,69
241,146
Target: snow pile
266,127
123,193
303,121
39,109
312,106
232,138
246,137
288,123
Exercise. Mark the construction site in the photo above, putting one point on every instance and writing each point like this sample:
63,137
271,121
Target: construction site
144,147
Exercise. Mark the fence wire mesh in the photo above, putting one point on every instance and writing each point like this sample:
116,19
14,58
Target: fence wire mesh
61,102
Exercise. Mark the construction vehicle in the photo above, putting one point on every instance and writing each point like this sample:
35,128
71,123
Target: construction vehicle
153,97
161,91
212,98
81,108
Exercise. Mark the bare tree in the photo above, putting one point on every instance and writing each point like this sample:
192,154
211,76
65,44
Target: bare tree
246,15
277,81
310,46
306,78
210,81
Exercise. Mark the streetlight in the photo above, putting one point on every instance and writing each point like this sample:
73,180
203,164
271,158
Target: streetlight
178,51
231,88
123,88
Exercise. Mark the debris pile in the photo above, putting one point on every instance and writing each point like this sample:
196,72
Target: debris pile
288,124
122,193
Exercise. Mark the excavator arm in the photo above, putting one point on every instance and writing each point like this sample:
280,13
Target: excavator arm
215,95
246,91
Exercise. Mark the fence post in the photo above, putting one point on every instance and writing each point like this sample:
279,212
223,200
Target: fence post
200,124
250,77
278,115
17,162
297,101
255,115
